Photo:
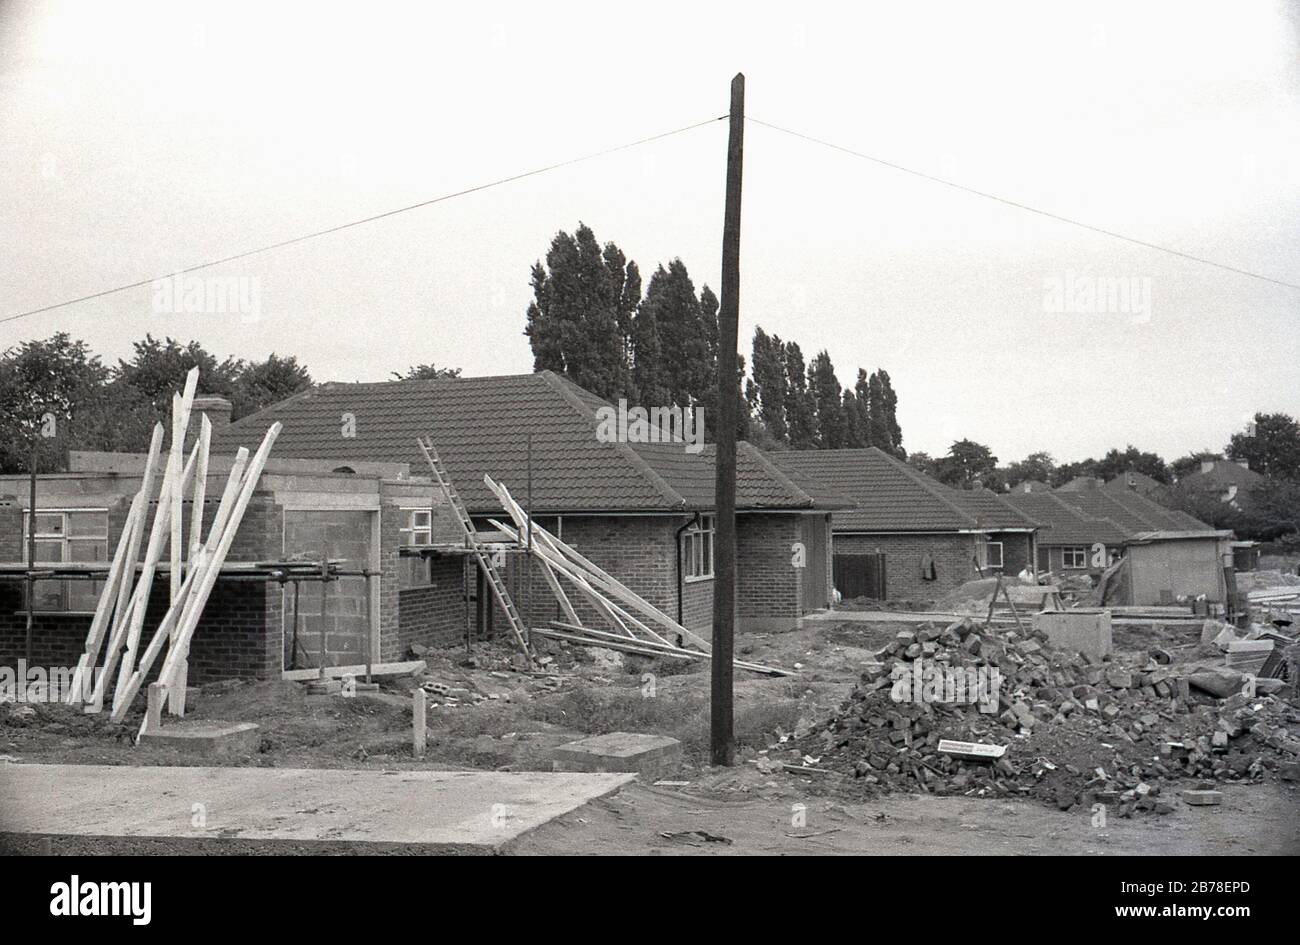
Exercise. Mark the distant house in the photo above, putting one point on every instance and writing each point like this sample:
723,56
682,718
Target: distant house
1081,484
1228,481
1171,554
907,535
1139,482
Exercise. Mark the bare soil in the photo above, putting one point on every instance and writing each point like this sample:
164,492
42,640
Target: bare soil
514,720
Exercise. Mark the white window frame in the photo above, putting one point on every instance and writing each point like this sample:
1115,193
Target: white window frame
697,550
411,532
65,540
988,557
1074,553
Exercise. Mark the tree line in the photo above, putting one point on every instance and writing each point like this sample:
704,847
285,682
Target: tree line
590,321
1269,445
57,395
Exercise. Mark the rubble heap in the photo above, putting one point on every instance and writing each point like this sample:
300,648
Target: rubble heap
1076,730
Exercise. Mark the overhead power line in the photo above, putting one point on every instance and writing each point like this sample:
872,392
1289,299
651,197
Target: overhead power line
370,219
1022,206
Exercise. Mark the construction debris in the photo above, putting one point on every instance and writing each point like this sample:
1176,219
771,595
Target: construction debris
965,710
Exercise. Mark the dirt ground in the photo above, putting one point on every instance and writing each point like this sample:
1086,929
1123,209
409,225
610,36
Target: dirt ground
496,718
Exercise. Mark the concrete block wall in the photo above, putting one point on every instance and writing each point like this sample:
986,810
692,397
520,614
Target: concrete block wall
343,625
953,556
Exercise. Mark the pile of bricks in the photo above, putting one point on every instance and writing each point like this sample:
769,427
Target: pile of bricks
1075,730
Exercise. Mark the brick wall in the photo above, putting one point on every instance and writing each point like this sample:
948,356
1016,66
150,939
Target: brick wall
432,615
953,556
343,625
768,585
1016,550
239,634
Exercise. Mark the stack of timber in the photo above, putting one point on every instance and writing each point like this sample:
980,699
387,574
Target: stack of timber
634,624
117,628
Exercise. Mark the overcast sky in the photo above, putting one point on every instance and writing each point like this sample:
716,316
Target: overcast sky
137,139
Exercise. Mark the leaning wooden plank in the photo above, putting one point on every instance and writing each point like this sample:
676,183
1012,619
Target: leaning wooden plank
407,668
553,560
172,481
176,697
181,406
200,486
122,703
599,636
598,577
122,613
104,608
622,644
181,645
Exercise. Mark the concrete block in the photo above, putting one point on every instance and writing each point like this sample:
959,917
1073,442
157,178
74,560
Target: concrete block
1077,631
205,739
649,755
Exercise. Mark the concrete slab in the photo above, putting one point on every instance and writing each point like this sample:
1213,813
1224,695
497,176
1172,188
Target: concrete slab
649,755
119,809
1077,631
205,739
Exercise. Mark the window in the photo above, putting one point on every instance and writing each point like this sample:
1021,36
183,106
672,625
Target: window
1075,557
63,537
697,550
993,554
418,529
415,570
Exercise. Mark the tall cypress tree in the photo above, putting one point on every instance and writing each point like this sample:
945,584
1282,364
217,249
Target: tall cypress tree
769,384
683,335
575,322
826,393
800,409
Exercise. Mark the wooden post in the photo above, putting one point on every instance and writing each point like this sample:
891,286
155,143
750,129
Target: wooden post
31,555
417,722
721,729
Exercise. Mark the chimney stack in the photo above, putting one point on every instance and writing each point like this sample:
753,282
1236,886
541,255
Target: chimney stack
213,406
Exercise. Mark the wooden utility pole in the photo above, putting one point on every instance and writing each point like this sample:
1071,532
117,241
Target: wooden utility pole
722,735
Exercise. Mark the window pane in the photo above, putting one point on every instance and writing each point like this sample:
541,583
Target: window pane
420,519
48,523
88,524
47,595
82,549
83,595
49,551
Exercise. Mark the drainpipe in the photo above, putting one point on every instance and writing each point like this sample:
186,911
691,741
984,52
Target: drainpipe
680,532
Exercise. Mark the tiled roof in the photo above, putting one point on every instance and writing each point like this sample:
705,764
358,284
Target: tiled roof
1222,474
1063,523
891,496
990,510
480,425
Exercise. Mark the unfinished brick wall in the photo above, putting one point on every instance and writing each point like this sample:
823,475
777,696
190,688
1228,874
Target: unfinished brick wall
239,633
953,556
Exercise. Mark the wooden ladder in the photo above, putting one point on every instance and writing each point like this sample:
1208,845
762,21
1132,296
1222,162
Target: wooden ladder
471,537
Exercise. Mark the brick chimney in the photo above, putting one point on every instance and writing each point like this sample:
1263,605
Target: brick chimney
213,406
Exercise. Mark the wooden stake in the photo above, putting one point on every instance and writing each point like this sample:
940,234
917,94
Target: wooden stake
418,707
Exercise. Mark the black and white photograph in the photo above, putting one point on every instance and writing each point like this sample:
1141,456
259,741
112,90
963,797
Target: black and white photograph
686,429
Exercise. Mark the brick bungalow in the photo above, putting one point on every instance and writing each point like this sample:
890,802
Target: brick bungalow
642,511
932,538
1085,529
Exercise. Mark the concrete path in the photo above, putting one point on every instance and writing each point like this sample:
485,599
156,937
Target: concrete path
122,809
891,616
